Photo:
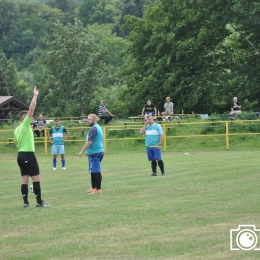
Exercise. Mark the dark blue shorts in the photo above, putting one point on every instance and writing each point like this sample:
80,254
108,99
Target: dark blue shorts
151,112
94,163
154,153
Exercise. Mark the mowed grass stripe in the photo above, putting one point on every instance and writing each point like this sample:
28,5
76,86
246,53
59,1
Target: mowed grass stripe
185,215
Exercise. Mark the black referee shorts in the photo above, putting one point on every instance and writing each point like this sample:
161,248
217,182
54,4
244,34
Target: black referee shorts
28,163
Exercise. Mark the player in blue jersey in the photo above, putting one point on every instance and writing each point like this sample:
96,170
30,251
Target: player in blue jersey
153,142
58,142
95,152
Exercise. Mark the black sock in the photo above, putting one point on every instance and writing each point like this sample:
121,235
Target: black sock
161,165
93,181
24,190
98,178
37,191
154,166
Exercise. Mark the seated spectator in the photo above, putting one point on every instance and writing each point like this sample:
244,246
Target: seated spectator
149,109
41,125
235,107
168,106
103,113
33,125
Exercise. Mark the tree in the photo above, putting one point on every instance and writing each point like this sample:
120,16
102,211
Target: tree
8,76
130,7
9,14
75,63
65,5
175,51
99,11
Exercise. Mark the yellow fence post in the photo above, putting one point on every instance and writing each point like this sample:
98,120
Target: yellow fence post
105,139
45,141
164,140
227,137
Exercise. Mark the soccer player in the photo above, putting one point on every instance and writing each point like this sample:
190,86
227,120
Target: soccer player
58,142
95,152
26,159
153,142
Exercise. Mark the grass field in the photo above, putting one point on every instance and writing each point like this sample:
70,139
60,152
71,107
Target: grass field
187,214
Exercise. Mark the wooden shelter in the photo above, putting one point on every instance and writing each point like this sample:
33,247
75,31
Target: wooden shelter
10,104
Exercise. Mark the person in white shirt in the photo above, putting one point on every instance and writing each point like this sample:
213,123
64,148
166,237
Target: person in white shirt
168,106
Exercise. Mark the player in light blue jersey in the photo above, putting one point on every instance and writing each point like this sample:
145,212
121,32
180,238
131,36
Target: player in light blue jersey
153,142
95,152
58,142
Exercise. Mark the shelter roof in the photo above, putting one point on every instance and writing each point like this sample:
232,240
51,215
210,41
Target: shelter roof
10,103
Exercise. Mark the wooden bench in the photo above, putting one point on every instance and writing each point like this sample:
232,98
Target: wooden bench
133,123
6,120
11,139
123,129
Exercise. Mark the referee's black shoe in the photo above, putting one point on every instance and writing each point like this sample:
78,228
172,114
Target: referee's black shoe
43,204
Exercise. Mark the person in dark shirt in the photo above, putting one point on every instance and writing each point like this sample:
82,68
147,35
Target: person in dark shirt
41,125
104,113
149,109
235,107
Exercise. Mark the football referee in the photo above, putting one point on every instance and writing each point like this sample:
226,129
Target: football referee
23,136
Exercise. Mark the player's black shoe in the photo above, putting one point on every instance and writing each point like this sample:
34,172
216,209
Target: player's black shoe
43,204
26,205
154,174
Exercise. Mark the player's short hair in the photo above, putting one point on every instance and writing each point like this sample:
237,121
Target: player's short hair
56,119
94,116
167,98
23,113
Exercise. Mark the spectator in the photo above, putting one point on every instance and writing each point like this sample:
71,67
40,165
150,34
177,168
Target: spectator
41,125
168,106
149,108
235,107
33,125
103,113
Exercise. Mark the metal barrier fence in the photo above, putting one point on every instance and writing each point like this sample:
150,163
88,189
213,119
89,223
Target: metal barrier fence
165,125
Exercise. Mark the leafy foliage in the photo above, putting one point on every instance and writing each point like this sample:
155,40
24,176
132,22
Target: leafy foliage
75,63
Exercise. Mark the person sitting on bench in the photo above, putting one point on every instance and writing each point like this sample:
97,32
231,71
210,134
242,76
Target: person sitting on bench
103,113
235,107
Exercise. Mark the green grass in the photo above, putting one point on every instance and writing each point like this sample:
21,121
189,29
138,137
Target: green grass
185,215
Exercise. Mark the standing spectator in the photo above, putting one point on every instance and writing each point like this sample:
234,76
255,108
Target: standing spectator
235,107
58,142
26,158
168,106
41,125
149,108
103,113
95,152
153,142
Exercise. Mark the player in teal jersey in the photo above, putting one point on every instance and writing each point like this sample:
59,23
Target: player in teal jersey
58,142
95,152
153,142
